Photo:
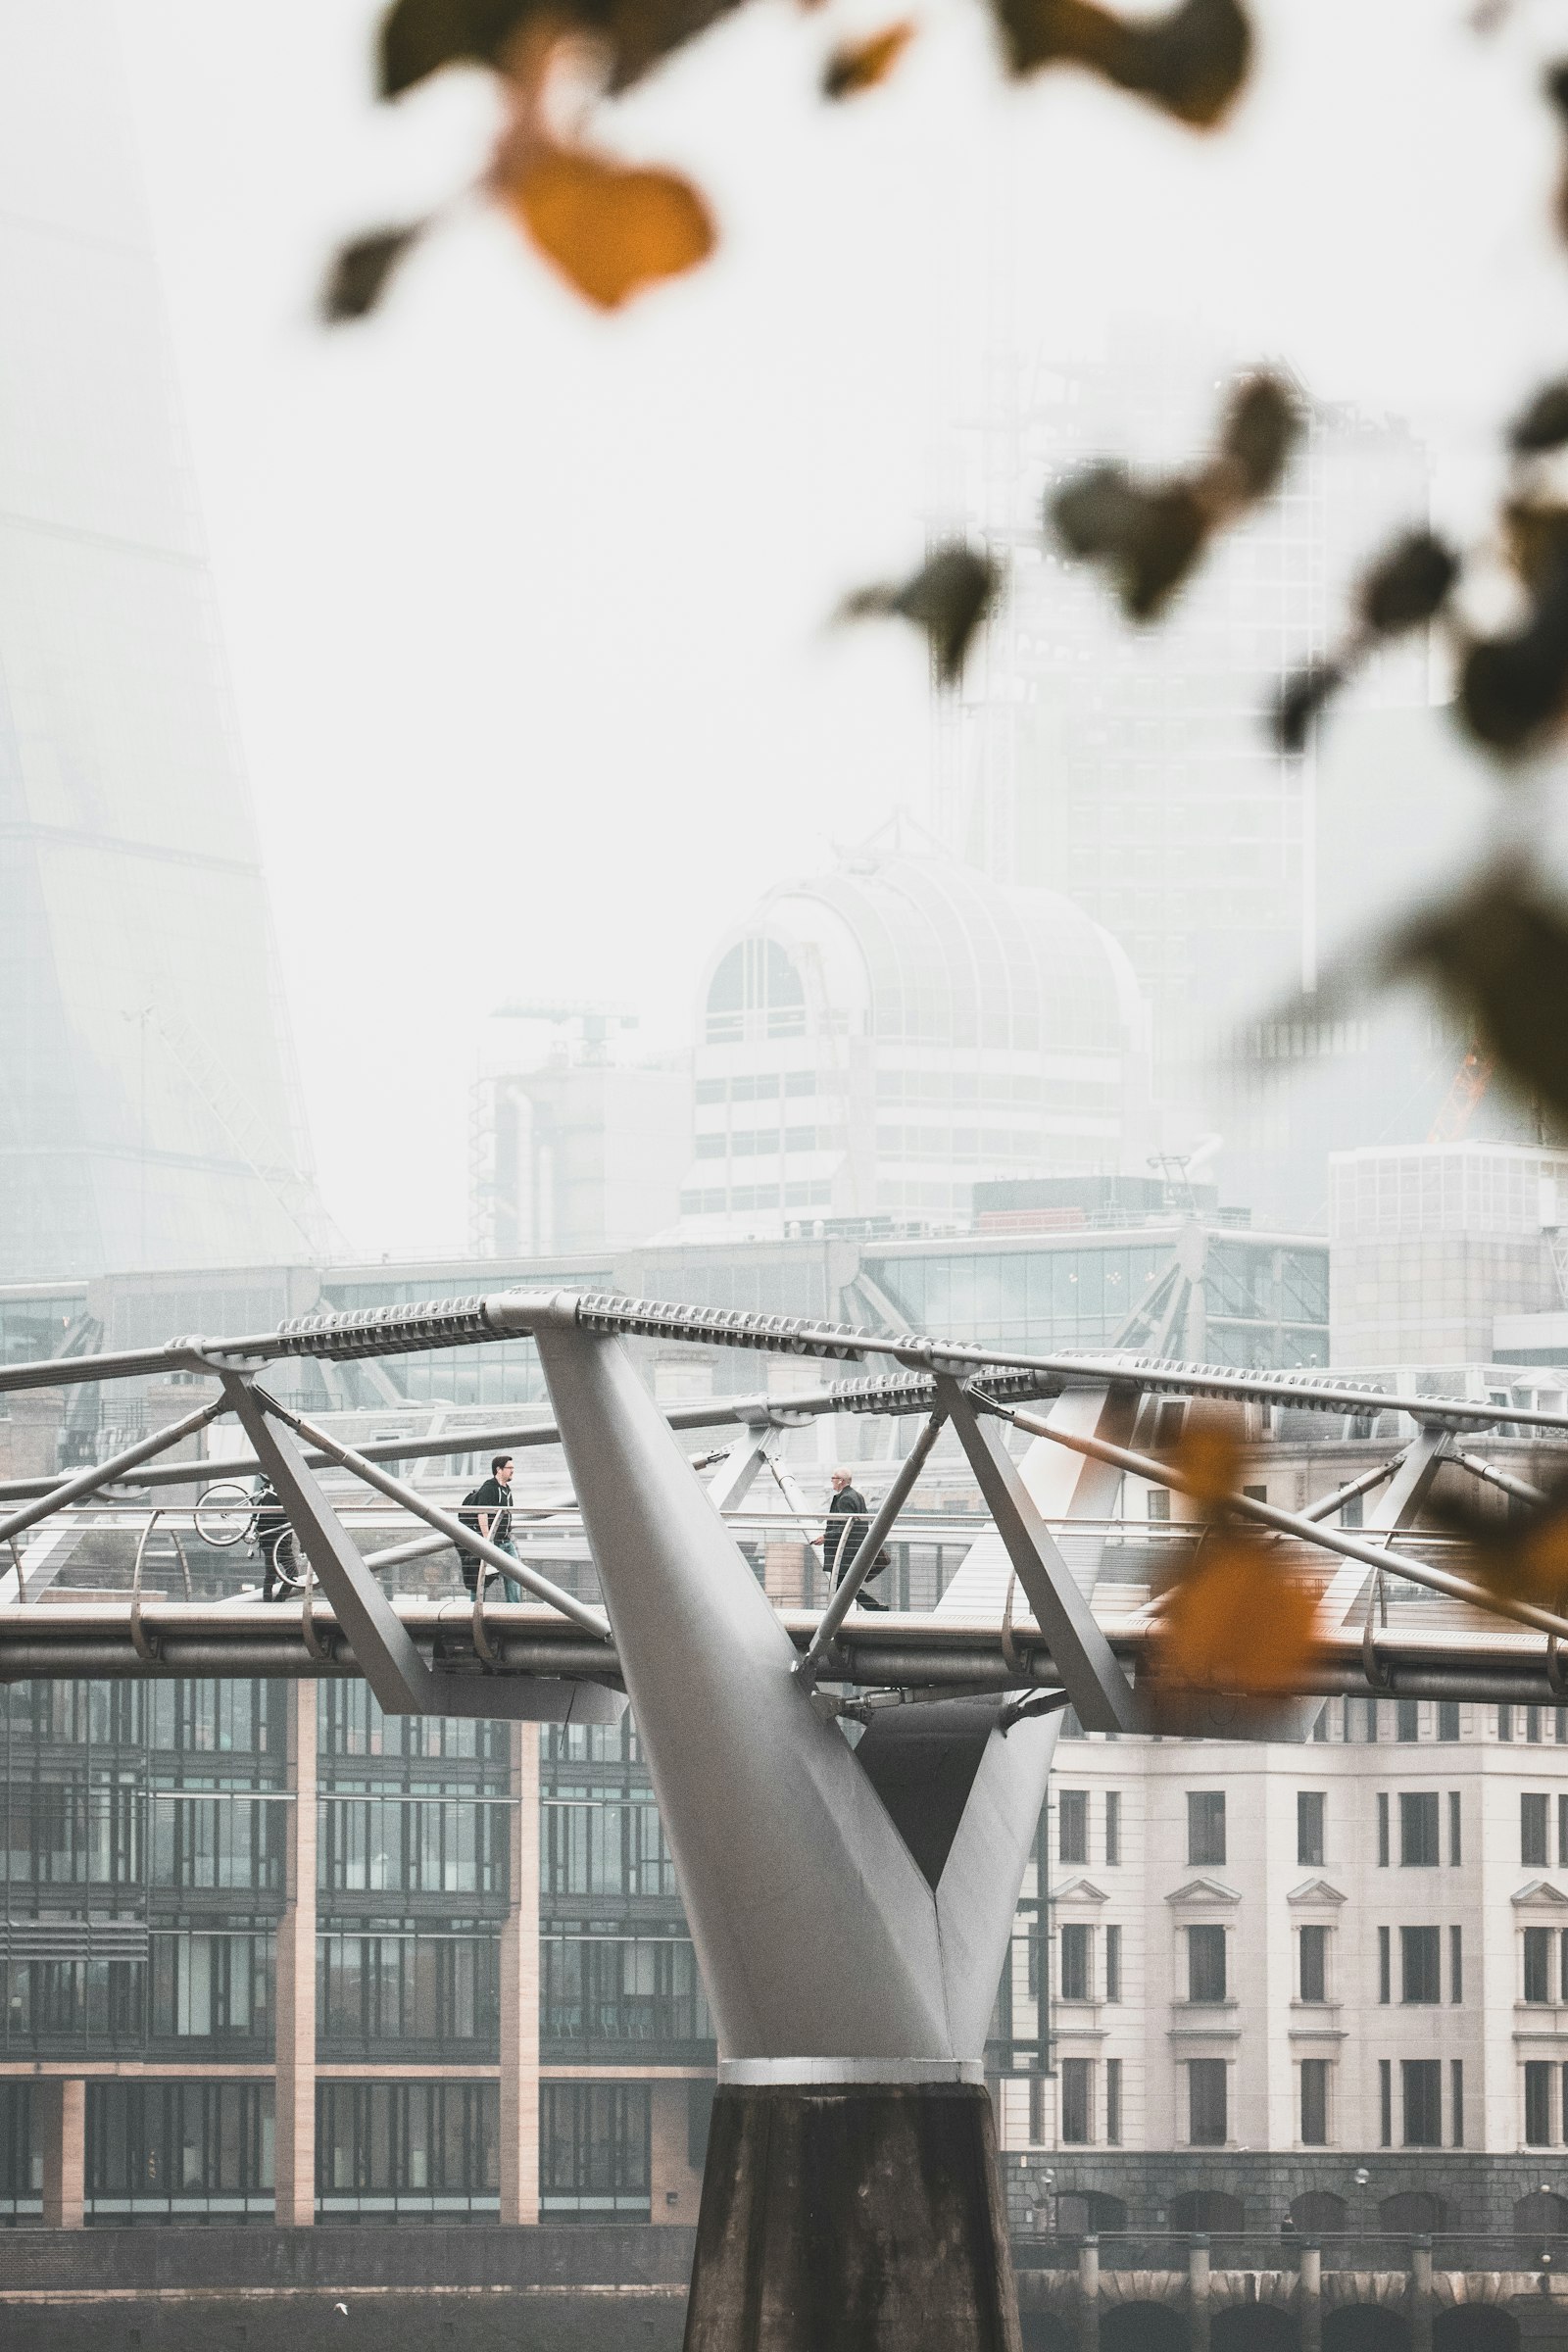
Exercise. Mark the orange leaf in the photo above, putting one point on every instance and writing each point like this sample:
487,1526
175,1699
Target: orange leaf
1235,1625
610,227
861,64
1208,1452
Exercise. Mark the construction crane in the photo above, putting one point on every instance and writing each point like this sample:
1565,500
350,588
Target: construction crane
1470,1082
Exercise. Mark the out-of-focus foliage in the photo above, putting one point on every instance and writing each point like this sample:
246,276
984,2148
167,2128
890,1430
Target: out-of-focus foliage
1520,1555
609,228
358,275
1495,953
420,36
1407,586
948,597
614,228
1191,63
1513,689
1149,536
857,66
1230,1622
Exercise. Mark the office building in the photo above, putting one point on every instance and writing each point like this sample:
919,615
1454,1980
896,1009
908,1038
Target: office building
149,1116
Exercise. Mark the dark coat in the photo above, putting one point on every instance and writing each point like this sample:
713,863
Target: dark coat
847,1522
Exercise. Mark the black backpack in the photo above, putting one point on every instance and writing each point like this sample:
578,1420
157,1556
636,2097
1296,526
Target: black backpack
470,1518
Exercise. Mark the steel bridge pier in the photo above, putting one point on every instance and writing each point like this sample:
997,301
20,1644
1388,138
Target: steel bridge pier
851,1907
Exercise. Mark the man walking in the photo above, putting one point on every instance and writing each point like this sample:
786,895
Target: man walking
847,1519
491,1516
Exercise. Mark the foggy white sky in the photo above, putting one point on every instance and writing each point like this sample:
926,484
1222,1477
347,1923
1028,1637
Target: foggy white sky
524,606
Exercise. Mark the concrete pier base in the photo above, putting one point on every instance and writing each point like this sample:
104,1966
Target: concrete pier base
854,2218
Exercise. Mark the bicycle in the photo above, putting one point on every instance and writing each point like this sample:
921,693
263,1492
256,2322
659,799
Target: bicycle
228,1514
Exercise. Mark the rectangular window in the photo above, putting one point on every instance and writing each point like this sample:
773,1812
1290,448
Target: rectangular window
1562,1833
1205,1964
1205,1824
1309,1810
1075,2102
1422,2080
1533,1724
1077,1959
1447,1719
1456,1831
1382,1830
1562,1977
1112,1828
1504,1723
1537,2103
1539,1957
595,2148
1113,2102
1456,2100
1384,2103
1113,1964
1418,1830
1314,2102
1072,1825
1206,2102
1314,1964
1456,1965
1420,1965
1532,1831
1159,1503
1385,1964
1407,1719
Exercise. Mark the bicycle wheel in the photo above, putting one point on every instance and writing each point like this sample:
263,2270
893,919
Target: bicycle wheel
288,1562
223,1514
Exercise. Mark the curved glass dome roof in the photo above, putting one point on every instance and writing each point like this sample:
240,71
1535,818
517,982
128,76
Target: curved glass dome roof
926,952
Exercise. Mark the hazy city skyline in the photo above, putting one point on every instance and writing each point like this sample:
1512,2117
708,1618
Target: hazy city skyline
411,523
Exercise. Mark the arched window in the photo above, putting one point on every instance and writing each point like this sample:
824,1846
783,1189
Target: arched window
1413,2212
1543,2214
755,992
1078,2216
1320,2213
1208,2208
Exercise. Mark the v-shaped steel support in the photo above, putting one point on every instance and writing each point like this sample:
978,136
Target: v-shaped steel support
850,1919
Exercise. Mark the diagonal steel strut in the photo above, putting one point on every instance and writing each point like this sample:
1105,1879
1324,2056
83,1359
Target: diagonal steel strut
1094,1683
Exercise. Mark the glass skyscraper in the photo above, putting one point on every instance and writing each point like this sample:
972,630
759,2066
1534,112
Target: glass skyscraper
148,1109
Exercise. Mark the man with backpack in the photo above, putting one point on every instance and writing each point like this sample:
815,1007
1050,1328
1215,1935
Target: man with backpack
488,1511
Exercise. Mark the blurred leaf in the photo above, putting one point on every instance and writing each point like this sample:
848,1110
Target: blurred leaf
1543,424
611,229
1409,585
1260,432
1208,1455
948,597
420,36
1150,538
861,64
359,272
1520,1555
1231,1622
1191,63
1499,954
1302,697
1513,689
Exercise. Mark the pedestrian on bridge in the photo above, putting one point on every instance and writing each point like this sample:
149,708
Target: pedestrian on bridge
848,1518
488,1511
